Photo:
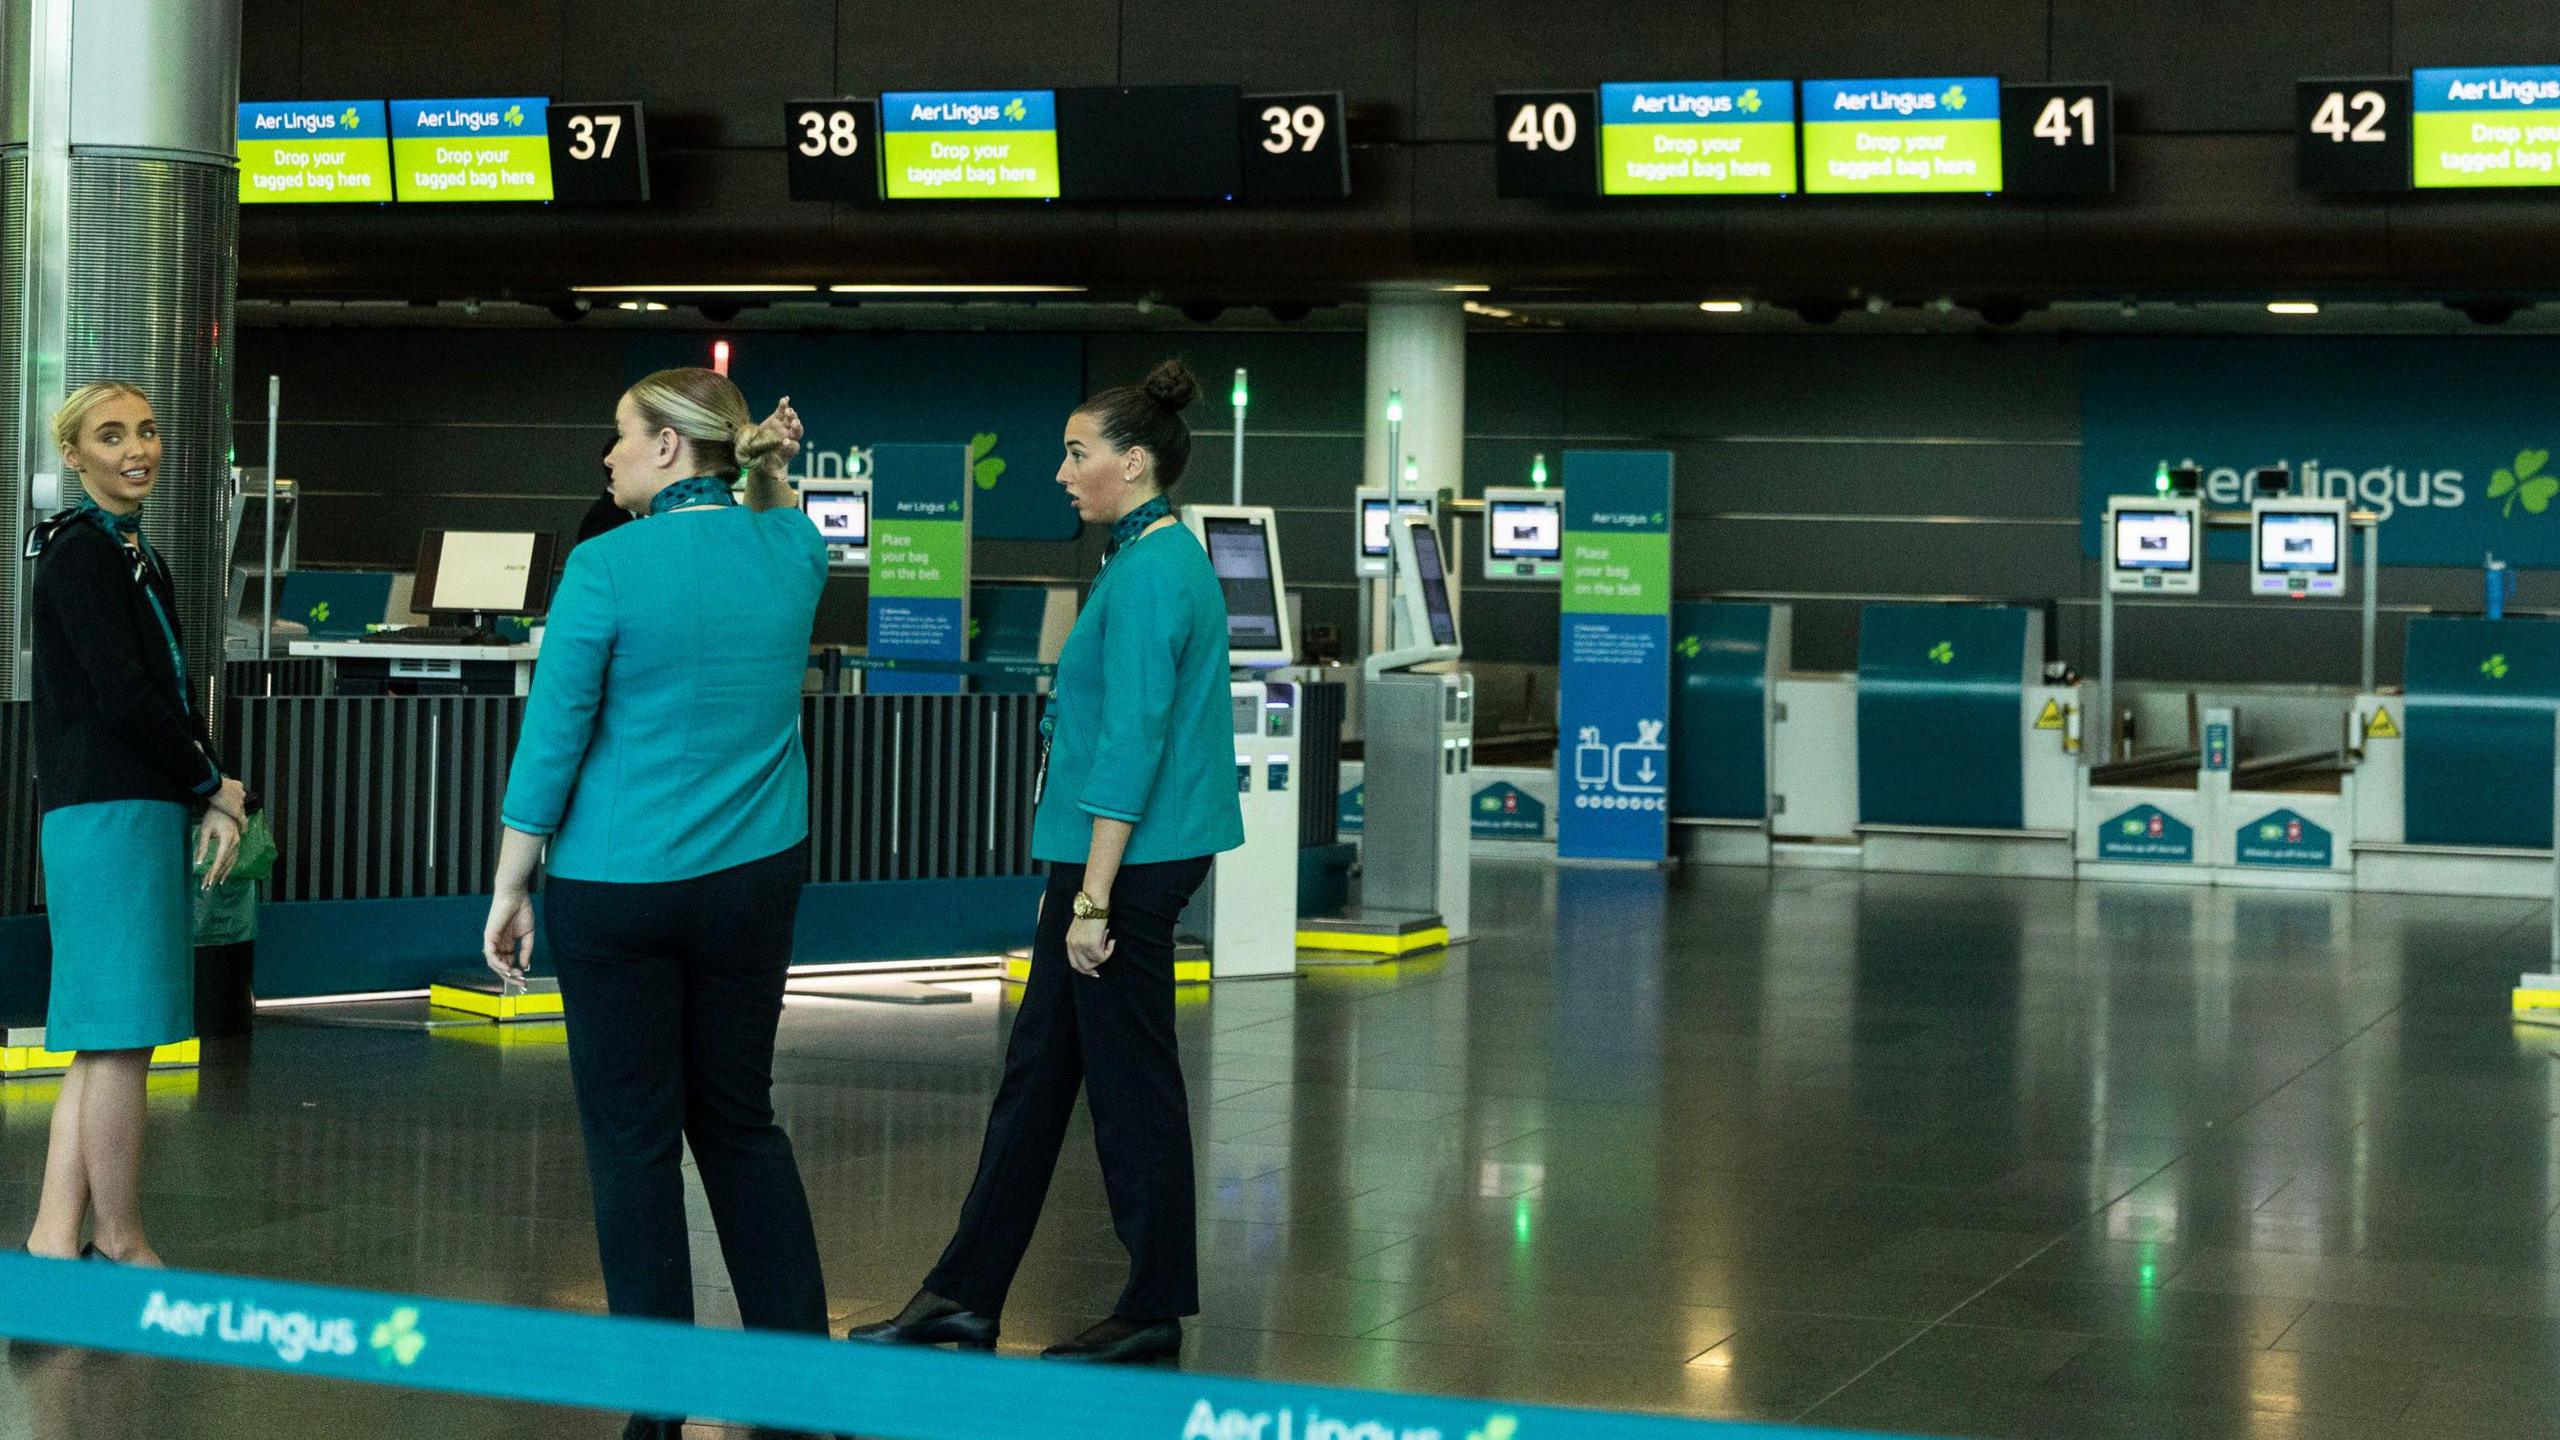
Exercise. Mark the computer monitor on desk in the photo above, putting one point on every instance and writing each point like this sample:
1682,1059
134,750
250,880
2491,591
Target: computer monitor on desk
480,573
841,509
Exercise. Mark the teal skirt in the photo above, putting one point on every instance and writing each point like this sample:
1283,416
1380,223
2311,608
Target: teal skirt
118,900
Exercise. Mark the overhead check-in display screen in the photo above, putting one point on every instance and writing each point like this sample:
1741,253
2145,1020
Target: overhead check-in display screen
1723,137
969,145
315,152
1902,137
2485,127
464,150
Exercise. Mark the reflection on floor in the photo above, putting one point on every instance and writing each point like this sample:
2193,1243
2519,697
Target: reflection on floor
1956,1157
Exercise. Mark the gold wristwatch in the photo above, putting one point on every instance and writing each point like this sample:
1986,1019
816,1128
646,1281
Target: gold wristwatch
1085,909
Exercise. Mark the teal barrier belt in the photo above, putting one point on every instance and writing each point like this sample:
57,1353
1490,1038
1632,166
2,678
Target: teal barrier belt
788,1381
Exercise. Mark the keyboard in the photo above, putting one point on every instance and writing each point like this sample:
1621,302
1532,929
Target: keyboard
431,635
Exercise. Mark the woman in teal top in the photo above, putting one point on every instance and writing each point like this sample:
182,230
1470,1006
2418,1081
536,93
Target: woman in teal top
1137,795
660,759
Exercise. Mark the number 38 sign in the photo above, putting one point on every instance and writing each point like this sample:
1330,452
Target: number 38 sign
833,148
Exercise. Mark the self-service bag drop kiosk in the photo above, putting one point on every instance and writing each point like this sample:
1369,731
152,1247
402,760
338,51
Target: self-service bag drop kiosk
1252,894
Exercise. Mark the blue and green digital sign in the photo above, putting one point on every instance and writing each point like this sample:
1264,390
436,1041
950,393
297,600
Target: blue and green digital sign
314,152
2485,127
462,150
1902,137
1722,137
969,145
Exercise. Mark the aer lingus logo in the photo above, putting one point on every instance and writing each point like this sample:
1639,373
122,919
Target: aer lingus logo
1749,101
1688,647
351,118
2495,667
320,613
1942,653
398,1340
985,465
2526,483
1500,1427
1954,97
515,114
1014,109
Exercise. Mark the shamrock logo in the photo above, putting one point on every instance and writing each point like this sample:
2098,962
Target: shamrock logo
1500,1427
2525,482
397,1340
351,118
1943,653
1954,97
974,630
2132,826
515,114
986,466
2270,832
1488,804
320,613
1750,101
1014,109
1688,647
2495,667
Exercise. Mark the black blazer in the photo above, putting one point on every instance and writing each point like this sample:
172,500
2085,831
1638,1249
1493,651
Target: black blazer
113,719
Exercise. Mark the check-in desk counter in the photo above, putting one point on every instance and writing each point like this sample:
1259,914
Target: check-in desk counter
386,815
361,668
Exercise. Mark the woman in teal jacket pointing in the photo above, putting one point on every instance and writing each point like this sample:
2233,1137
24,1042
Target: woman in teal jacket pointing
1138,793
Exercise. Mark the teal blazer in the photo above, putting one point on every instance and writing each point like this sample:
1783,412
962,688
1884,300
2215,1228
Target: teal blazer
662,737
1144,730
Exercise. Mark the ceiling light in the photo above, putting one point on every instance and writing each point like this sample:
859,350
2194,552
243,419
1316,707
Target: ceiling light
641,305
1466,289
694,289
1494,312
955,289
1721,307
2293,307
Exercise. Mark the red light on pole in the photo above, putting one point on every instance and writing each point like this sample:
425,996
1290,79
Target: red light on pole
720,357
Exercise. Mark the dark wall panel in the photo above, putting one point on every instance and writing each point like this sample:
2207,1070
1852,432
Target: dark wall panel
1819,39
900,45
2473,32
1471,49
724,84
2202,65
1361,48
460,48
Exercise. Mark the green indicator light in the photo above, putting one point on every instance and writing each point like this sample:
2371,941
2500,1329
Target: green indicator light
2160,481
1538,471
1395,407
1239,396
1412,473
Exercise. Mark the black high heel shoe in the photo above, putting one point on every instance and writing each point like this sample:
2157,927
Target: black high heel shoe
930,1320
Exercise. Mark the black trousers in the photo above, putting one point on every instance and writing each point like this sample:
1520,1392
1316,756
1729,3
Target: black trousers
673,993
1112,1034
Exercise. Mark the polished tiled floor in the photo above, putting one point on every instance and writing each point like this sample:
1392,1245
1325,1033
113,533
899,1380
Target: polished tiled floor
1942,1156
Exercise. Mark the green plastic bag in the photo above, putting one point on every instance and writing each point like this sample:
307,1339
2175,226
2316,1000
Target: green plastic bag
227,914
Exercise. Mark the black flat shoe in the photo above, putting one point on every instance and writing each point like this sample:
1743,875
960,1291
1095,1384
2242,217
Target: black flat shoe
930,1320
651,1427
1122,1342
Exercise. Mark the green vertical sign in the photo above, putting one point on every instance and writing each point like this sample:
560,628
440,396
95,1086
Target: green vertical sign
919,610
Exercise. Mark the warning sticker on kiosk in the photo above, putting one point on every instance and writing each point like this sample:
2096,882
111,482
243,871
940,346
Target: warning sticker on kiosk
2285,840
2148,834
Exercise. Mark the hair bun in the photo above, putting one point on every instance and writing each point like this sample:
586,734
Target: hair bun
1171,384
753,443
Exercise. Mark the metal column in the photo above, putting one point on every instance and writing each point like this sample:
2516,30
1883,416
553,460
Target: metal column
119,182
